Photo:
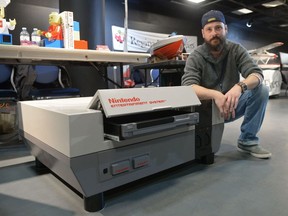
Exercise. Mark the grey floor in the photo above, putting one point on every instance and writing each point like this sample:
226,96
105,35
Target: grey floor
236,184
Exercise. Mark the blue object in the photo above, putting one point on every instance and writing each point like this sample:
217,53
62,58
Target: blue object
46,74
5,73
6,39
54,93
54,43
155,73
76,26
252,103
212,16
6,90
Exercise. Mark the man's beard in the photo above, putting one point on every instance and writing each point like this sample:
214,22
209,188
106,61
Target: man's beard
216,47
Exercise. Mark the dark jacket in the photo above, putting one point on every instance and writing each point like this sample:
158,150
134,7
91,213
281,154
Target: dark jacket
221,73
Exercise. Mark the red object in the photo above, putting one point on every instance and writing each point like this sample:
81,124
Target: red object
129,83
56,32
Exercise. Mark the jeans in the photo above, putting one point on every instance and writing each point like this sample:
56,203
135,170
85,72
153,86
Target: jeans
252,105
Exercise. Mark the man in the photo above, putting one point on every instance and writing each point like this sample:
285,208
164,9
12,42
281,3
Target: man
213,72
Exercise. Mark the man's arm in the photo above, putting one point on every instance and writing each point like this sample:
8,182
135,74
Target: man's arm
253,80
232,96
206,94
226,103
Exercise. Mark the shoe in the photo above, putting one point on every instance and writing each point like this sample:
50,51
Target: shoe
255,150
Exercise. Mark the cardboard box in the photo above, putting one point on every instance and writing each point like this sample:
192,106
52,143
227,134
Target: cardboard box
68,35
67,18
68,30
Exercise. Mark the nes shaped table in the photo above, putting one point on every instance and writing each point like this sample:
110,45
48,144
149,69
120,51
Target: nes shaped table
118,136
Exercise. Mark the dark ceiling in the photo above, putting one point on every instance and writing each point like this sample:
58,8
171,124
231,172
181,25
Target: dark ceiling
264,19
269,19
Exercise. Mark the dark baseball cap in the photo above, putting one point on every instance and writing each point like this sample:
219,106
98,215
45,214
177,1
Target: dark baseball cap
212,16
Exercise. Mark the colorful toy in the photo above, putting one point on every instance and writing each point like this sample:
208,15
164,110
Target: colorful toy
54,31
5,37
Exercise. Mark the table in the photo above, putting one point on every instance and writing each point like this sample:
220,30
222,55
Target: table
15,54
171,66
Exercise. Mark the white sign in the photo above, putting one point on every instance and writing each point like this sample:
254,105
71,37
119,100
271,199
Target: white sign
190,43
141,41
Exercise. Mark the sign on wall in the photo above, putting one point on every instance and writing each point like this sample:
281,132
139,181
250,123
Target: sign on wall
141,41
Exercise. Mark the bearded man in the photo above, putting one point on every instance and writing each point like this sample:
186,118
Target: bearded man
213,70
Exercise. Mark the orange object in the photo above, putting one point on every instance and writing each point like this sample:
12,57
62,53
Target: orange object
170,50
80,44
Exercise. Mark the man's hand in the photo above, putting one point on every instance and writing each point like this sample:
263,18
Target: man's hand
220,101
225,103
232,99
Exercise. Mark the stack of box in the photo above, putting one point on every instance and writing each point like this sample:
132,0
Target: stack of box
78,44
68,29
76,28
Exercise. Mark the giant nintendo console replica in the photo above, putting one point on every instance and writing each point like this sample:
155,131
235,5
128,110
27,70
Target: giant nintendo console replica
118,136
